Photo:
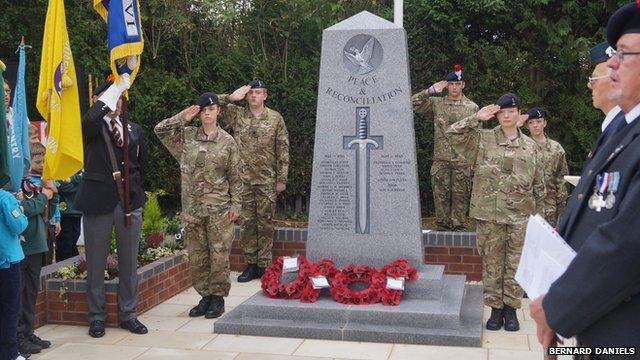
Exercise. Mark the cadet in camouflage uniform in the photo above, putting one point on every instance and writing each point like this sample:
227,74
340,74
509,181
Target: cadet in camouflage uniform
211,197
450,172
554,163
508,186
263,141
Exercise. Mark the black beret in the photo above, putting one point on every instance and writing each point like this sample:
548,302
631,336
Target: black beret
102,87
508,100
537,113
258,84
207,99
600,53
624,21
456,74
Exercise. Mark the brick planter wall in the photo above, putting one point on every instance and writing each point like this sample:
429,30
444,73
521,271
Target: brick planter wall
157,282
455,250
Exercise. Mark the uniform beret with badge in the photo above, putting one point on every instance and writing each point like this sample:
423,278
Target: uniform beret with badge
207,99
625,20
600,53
456,74
508,100
537,112
258,84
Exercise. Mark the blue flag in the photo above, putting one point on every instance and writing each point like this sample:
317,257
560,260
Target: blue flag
124,34
19,131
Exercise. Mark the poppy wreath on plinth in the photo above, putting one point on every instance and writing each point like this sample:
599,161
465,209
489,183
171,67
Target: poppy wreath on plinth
324,268
358,273
272,287
397,269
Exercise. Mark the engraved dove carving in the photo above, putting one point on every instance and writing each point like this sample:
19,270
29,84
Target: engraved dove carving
361,58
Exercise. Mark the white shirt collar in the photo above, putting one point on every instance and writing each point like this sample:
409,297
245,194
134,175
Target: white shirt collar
610,115
633,114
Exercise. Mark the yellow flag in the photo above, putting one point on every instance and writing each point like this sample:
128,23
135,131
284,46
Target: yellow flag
58,100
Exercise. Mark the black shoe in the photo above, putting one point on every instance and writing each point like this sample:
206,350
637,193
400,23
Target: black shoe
96,329
249,273
201,308
216,308
34,339
134,326
27,347
495,320
510,319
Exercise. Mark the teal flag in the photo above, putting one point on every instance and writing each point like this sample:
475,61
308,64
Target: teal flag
19,130
4,155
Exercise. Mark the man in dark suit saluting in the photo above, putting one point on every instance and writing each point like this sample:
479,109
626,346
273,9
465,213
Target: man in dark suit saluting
597,299
99,199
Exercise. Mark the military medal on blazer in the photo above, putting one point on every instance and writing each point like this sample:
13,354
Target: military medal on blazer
606,184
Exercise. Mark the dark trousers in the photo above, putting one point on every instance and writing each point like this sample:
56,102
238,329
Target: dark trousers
97,235
30,268
9,311
68,238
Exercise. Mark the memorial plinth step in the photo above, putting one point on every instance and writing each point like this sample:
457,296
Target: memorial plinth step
445,322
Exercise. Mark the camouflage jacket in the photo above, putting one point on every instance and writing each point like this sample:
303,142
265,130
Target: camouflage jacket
555,168
210,168
444,112
508,184
263,142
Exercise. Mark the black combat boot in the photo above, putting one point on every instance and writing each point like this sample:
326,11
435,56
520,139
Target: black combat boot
495,320
510,319
201,308
249,273
216,308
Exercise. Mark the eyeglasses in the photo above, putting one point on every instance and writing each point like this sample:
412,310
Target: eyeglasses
594,78
621,54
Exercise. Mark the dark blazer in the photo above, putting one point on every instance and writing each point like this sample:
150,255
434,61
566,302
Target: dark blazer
598,297
583,185
97,193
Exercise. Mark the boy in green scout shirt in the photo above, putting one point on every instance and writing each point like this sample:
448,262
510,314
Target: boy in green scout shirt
35,205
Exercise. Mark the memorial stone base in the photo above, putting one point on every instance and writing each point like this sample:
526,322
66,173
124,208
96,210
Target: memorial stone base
436,309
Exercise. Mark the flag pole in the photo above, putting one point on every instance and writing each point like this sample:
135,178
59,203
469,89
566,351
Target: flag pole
397,12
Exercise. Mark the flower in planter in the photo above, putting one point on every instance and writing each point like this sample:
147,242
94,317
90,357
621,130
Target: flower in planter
154,239
81,265
112,265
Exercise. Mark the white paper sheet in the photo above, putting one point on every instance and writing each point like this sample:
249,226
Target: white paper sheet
545,257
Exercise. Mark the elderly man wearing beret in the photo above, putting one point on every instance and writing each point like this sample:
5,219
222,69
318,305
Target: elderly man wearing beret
597,299
508,186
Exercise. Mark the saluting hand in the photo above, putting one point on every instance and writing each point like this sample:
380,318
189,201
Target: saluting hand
437,87
487,112
240,93
189,113
522,120
233,216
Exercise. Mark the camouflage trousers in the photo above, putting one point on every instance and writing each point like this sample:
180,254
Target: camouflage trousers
256,237
451,186
209,244
500,246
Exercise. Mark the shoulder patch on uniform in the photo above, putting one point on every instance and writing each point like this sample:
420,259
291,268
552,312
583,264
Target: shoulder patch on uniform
16,213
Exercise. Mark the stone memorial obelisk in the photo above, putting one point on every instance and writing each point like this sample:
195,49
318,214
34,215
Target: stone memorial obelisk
365,204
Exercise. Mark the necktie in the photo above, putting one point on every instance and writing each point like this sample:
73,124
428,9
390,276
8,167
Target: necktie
616,125
116,133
